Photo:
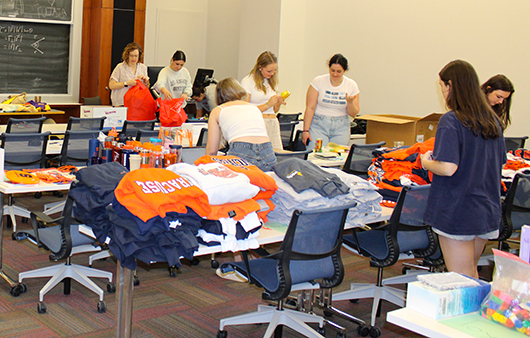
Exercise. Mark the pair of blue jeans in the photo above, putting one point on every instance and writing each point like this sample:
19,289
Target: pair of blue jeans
261,155
330,129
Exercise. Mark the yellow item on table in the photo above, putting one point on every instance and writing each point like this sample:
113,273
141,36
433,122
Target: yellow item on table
285,94
17,176
336,148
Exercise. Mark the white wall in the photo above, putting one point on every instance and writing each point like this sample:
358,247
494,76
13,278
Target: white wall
397,48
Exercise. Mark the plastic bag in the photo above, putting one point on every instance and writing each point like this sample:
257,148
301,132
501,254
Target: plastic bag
509,300
171,112
140,103
16,99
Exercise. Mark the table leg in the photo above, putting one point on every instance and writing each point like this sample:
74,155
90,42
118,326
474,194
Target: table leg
124,301
2,273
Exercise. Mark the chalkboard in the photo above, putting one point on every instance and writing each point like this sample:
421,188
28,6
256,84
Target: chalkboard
34,57
37,9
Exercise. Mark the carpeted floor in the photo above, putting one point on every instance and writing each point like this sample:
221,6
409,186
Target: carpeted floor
189,305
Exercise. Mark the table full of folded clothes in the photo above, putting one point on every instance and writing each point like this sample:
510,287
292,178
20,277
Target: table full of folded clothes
162,215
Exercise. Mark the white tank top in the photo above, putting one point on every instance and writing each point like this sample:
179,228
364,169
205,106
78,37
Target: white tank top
241,120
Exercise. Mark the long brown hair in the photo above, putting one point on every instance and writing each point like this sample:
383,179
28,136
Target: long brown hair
500,82
229,90
468,101
264,59
132,47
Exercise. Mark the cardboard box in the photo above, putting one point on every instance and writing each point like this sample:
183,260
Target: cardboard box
443,304
115,115
408,129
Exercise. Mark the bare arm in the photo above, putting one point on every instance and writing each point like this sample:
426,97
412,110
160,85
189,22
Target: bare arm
214,132
310,106
113,84
352,107
439,168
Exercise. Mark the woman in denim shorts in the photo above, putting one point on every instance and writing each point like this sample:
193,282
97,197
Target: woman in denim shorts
241,124
331,99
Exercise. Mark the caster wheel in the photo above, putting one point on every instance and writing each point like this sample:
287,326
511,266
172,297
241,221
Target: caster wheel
322,331
58,194
111,288
222,334
9,222
14,236
363,330
136,281
102,307
354,301
41,307
38,195
215,264
404,270
173,271
19,289
328,313
341,335
195,261
375,332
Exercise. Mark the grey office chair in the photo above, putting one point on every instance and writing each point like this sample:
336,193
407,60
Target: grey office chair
287,131
22,151
63,240
360,158
308,258
146,135
80,123
404,236
513,143
130,128
25,126
190,154
288,117
203,137
75,147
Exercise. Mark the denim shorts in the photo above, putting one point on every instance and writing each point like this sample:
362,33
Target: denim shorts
330,129
261,155
490,235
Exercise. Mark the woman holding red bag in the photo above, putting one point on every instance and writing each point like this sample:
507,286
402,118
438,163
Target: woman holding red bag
125,74
174,81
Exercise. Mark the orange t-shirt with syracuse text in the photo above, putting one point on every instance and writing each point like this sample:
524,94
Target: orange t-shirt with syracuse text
147,193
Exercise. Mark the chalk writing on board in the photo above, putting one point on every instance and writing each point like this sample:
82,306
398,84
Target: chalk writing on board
60,10
35,57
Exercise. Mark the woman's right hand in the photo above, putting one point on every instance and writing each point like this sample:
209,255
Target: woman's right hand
305,137
167,94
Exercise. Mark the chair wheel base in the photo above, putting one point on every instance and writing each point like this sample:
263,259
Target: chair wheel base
363,330
375,332
19,289
173,271
111,288
136,281
222,334
102,307
214,263
41,307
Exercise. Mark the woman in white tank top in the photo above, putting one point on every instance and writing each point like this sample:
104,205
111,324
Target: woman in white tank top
241,124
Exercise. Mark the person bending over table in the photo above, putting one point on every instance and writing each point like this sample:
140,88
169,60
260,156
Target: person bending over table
498,90
464,204
241,124
330,100
125,74
174,81
261,84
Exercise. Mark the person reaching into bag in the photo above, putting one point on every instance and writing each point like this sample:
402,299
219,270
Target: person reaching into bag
174,81
125,74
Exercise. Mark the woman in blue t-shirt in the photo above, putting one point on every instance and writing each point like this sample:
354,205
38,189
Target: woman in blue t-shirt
464,205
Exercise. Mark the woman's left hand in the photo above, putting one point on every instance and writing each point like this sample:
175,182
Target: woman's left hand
350,99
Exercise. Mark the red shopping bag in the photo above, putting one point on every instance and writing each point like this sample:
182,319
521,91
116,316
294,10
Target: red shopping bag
140,103
171,113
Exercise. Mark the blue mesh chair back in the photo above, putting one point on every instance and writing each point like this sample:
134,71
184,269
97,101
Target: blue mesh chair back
144,135
190,154
283,117
517,203
79,123
513,143
25,126
309,252
287,132
24,151
130,128
404,232
360,158
75,147
203,137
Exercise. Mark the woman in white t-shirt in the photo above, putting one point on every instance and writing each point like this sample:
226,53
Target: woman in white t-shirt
331,99
261,84
174,81
125,74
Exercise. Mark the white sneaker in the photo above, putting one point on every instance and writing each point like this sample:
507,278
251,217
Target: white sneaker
231,275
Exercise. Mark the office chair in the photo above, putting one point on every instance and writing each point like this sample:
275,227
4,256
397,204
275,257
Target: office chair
75,148
146,135
190,154
360,158
515,209
22,151
152,72
92,101
513,143
283,155
286,118
203,137
308,258
130,128
287,130
405,233
63,240
296,144
80,123
25,125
